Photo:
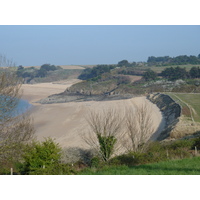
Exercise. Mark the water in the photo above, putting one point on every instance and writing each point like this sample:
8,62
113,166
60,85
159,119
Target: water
21,108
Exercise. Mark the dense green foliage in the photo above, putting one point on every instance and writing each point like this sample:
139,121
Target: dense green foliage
179,60
195,72
33,72
150,75
95,72
125,63
49,67
174,73
106,146
41,156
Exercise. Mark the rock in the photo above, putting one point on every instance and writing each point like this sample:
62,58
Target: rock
170,109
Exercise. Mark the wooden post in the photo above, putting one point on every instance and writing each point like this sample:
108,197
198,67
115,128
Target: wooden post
167,154
11,171
195,151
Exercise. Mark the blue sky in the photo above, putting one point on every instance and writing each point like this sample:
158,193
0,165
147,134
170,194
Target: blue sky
66,45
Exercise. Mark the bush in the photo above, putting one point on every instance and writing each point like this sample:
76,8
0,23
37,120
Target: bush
181,144
126,159
196,143
41,157
73,155
95,162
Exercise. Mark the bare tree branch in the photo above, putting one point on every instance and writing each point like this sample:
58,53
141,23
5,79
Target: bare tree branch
104,125
139,127
14,130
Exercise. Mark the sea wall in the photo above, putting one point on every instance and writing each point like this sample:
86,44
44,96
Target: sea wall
171,112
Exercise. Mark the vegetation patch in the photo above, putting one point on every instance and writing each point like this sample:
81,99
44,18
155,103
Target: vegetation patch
190,166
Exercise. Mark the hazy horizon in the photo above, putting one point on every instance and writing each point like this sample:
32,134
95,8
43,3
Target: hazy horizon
30,45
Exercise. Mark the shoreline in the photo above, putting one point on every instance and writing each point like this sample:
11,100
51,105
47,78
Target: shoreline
65,122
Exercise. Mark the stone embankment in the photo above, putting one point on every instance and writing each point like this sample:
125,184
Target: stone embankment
171,112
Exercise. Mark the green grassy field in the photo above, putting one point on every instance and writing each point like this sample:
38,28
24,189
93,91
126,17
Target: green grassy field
189,166
192,100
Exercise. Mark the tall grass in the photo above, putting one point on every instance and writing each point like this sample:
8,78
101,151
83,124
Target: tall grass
189,166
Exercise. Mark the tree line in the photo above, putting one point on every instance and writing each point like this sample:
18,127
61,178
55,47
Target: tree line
32,72
95,72
178,60
173,73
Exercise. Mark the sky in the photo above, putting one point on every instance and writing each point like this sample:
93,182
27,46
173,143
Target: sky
33,45
84,45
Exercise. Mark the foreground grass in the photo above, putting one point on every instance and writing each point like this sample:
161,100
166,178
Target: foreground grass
189,166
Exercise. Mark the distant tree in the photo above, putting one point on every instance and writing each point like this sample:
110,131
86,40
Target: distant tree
180,73
168,72
150,75
151,59
123,63
48,67
178,60
20,70
195,72
174,73
20,67
95,72
133,64
42,72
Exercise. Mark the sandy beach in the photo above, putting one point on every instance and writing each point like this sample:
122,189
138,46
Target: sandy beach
66,121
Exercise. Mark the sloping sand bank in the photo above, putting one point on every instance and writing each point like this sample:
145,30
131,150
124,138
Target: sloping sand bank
66,121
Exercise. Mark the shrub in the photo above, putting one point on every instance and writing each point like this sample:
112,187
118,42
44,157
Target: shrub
125,159
196,143
106,146
41,157
73,155
181,144
95,162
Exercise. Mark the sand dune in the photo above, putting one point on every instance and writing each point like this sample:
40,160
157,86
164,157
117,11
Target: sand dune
66,121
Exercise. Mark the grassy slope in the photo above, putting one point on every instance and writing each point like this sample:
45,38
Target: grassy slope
192,100
173,167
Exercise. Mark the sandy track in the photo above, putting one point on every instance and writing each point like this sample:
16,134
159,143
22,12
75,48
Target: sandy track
66,121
